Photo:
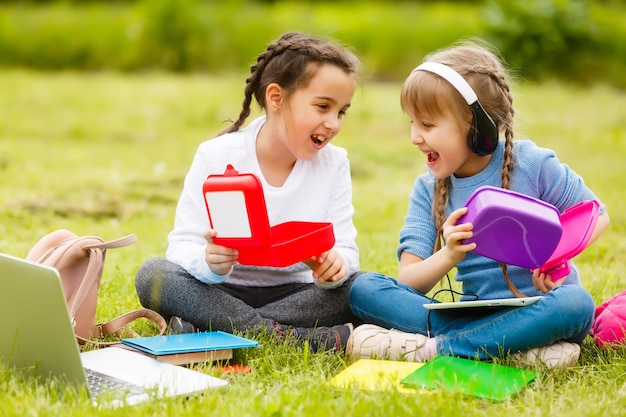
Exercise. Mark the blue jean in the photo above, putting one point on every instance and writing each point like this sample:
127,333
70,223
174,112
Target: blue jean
565,313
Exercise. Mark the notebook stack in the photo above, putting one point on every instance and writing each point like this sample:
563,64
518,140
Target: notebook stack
190,348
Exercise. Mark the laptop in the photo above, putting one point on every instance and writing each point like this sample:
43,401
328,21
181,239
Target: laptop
38,340
493,303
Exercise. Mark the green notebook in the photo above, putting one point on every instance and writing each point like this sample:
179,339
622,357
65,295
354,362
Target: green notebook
480,379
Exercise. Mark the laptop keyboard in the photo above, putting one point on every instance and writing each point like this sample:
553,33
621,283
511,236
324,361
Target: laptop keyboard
100,383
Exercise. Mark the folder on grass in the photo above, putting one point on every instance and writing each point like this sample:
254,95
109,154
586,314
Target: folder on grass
481,379
372,374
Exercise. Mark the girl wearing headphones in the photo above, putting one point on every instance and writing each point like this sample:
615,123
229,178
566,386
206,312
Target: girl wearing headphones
459,102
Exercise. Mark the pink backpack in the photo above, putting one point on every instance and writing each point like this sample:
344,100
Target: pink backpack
609,326
80,262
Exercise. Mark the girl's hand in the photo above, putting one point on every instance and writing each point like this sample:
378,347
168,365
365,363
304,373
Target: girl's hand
329,266
219,258
454,235
543,282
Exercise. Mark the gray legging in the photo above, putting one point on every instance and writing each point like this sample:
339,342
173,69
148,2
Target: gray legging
169,289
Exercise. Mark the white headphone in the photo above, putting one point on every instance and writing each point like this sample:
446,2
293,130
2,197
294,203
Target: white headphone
483,134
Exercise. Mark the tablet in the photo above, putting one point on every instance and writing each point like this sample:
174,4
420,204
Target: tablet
497,302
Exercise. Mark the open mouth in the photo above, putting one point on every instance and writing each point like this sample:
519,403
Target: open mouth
433,156
318,139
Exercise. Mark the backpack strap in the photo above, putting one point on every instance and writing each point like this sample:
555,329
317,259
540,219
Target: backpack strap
46,246
117,326
96,258
96,252
113,244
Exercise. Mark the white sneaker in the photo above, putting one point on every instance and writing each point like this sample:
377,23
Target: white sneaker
560,354
371,341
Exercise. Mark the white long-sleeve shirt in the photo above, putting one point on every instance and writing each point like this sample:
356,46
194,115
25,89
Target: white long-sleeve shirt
317,190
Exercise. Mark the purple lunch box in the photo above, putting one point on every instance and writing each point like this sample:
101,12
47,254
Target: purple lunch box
511,227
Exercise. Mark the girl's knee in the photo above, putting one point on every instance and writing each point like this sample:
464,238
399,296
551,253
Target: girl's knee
574,301
146,277
364,284
147,270
368,286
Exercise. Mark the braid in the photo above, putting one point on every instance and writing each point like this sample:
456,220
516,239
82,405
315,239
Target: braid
503,112
507,165
245,111
253,82
440,201
495,95
286,62
506,123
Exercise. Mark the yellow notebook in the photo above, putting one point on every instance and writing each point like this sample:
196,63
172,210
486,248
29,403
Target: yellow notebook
373,374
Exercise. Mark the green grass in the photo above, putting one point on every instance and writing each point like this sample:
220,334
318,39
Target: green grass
106,154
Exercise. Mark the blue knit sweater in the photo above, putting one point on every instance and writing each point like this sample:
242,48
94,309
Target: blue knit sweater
537,172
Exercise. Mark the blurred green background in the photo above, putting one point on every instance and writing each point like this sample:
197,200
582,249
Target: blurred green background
575,40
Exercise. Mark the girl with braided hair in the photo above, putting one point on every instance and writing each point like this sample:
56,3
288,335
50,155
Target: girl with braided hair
305,86
459,102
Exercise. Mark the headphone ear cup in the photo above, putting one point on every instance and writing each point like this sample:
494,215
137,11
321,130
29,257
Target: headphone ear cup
482,137
472,138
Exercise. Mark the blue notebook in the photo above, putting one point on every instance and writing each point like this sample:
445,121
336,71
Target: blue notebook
189,342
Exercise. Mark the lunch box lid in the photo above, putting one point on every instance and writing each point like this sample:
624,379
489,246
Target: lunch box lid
578,223
236,207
